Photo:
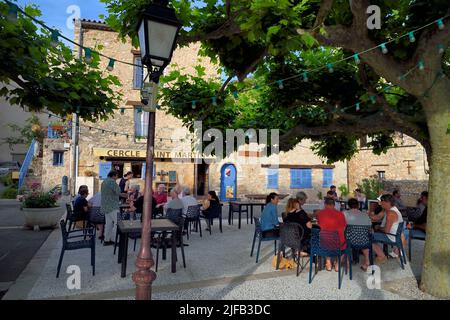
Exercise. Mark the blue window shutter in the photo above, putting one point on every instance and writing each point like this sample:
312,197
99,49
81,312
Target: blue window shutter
295,178
306,178
327,178
137,74
272,178
143,171
301,178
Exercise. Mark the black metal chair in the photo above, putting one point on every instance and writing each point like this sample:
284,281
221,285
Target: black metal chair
163,241
213,213
291,236
86,240
192,217
359,237
72,218
236,208
414,234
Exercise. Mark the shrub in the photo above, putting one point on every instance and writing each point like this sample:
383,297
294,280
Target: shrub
9,193
40,200
344,190
7,179
371,187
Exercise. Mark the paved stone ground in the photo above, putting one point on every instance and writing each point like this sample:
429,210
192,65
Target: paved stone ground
218,267
17,245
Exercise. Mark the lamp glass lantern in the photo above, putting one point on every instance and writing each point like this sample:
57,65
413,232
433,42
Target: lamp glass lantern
158,28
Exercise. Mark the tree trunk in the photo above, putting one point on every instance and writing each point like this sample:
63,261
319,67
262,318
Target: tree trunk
436,263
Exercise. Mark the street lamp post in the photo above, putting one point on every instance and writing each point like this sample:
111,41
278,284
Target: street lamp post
157,30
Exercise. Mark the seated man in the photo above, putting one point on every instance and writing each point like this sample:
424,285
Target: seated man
81,205
188,200
421,222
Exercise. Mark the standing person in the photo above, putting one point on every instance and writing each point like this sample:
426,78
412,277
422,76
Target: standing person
110,194
330,219
355,217
361,198
161,198
124,183
397,200
391,219
270,225
211,207
188,200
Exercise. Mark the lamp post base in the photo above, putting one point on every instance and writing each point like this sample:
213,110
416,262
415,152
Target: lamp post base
143,278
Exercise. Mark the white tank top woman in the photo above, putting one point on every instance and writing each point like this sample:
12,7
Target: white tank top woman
394,226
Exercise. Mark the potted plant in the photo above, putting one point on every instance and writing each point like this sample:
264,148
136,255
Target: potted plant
57,125
41,209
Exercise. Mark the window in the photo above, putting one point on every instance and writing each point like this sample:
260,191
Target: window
381,175
138,73
58,158
272,178
301,178
327,178
140,123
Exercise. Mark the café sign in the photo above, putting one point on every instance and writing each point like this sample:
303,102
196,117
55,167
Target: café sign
133,153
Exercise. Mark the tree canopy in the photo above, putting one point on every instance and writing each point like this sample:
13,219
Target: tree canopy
41,75
260,42
402,85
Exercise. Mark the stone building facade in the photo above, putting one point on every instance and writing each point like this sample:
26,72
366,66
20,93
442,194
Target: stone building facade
100,151
404,167
242,173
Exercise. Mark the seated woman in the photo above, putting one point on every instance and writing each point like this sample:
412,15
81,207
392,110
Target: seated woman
330,219
391,219
81,205
295,213
211,207
355,217
270,226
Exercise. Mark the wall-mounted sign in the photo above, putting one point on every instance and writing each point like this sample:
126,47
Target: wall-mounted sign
132,153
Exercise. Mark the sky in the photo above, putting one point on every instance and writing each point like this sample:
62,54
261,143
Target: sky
60,13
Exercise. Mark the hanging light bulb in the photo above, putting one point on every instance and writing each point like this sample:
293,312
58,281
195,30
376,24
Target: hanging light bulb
115,134
88,55
139,110
357,106
122,110
194,104
383,48
356,57
103,131
280,84
111,64
330,67
441,48
305,76
440,24
214,101
411,37
12,12
421,65
78,109
55,35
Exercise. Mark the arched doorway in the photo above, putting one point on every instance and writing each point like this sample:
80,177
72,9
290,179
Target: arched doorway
228,185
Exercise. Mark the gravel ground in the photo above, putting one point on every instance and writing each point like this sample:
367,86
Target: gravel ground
219,266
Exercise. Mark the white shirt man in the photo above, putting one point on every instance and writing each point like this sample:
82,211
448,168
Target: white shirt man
188,200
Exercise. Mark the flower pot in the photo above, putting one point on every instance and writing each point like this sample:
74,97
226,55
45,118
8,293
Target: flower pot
37,218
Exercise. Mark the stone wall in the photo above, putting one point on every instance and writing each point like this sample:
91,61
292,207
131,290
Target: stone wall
52,175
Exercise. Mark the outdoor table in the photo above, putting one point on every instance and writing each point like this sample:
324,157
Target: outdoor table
247,204
135,226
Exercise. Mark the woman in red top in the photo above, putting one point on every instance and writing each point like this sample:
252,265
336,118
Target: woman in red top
330,219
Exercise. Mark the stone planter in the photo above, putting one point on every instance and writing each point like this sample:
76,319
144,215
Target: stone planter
37,218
